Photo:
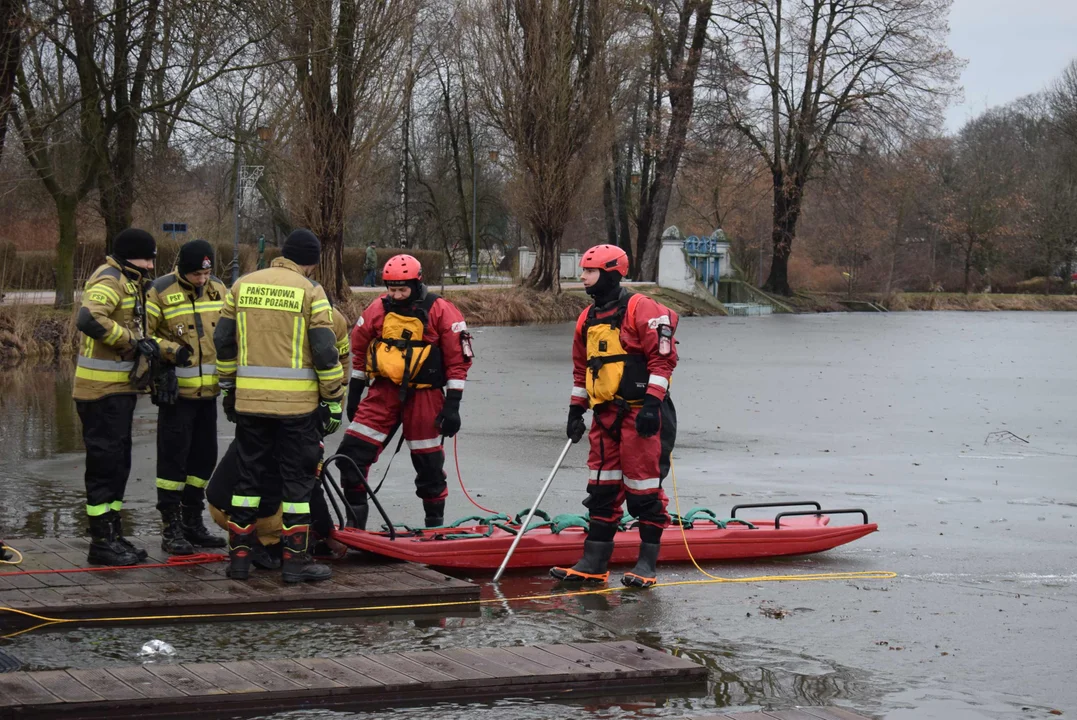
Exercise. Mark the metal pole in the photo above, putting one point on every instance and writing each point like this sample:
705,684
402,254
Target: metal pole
760,273
474,222
239,211
531,513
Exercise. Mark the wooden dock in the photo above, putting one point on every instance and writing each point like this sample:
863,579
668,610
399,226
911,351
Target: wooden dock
804,713
358,582
252,687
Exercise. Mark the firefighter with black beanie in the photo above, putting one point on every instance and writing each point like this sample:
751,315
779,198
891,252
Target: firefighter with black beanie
112,323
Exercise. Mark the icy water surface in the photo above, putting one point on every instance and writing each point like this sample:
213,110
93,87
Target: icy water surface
955,431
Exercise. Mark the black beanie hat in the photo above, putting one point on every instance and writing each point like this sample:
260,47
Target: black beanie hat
134,244
302,247
194,256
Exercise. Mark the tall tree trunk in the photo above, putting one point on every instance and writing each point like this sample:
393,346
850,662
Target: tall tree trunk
609,210
968,261
10,41
66,209
546,275
788,194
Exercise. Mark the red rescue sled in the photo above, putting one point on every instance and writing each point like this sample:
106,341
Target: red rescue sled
481,543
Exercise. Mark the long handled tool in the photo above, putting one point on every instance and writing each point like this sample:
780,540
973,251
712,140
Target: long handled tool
531,512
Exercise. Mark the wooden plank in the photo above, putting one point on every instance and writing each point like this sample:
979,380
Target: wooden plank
506,661
14,599
445,666
833,713
64,686
271,681
369,667
145,682
751,716
790,715
21,689
298,674
633,655
219,675
184,680
555,662
336,672
104,684
585,660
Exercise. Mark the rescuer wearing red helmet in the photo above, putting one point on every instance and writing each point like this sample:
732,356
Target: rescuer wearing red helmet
412,349
623,354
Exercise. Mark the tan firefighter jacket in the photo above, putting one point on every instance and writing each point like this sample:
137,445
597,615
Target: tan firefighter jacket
180,315
276,344
110,322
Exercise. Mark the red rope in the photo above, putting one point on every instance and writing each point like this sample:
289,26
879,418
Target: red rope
173,561
456,457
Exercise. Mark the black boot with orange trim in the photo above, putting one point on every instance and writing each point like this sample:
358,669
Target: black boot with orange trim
241,538
591,567
296,563
644,574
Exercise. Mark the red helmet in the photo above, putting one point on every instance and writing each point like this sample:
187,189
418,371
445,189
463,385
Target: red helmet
606,257
401,268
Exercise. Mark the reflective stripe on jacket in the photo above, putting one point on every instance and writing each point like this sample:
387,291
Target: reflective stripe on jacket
276,344
109,322
180,315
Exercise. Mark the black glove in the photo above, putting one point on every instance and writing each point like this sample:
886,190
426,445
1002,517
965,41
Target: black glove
449,417
649,419
355,394
148,348
183,356
577,428
165,385
228,402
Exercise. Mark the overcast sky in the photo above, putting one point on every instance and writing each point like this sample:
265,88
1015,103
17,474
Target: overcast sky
1013,48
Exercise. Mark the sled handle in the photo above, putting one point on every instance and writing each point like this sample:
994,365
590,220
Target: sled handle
792,513
795,503
531,512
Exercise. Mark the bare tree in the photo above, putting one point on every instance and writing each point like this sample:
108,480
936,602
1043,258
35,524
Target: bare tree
679,34
10,51
349,58
810,79
544,84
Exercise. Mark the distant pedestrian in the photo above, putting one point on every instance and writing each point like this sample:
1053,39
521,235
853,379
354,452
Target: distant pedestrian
371,266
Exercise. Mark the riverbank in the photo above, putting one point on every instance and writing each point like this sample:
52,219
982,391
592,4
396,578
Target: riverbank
805,302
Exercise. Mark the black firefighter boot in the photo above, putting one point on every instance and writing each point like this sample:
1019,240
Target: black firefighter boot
172,540
194,529
591,567
356,499
117,527
105,548
435,513
644,574
266,557
241,540
296,563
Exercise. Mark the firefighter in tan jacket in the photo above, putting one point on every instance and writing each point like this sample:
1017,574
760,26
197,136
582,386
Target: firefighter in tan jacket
182,309
112,323
282,381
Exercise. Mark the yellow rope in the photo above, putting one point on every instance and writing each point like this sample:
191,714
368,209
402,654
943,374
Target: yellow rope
11,562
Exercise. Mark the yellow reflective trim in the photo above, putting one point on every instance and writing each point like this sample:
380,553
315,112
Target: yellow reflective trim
127,303
116,505
97,510
170,313
227,367
109,376
197,381
242,327
298,327
173,485
230,300
251,501
88,347
153,309
197,482
271,297
295,508
331,373
276,384
319,305
208,306
105,289
114,334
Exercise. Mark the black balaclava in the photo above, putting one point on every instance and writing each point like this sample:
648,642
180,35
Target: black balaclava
607,289
418,291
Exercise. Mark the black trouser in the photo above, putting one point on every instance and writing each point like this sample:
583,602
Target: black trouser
430,485
106,433
186,451
277,455
223,483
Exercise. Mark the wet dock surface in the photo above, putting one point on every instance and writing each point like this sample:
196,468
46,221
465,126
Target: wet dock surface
359,584
250,687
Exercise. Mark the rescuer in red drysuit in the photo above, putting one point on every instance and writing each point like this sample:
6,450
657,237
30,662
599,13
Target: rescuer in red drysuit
623,355
411,350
